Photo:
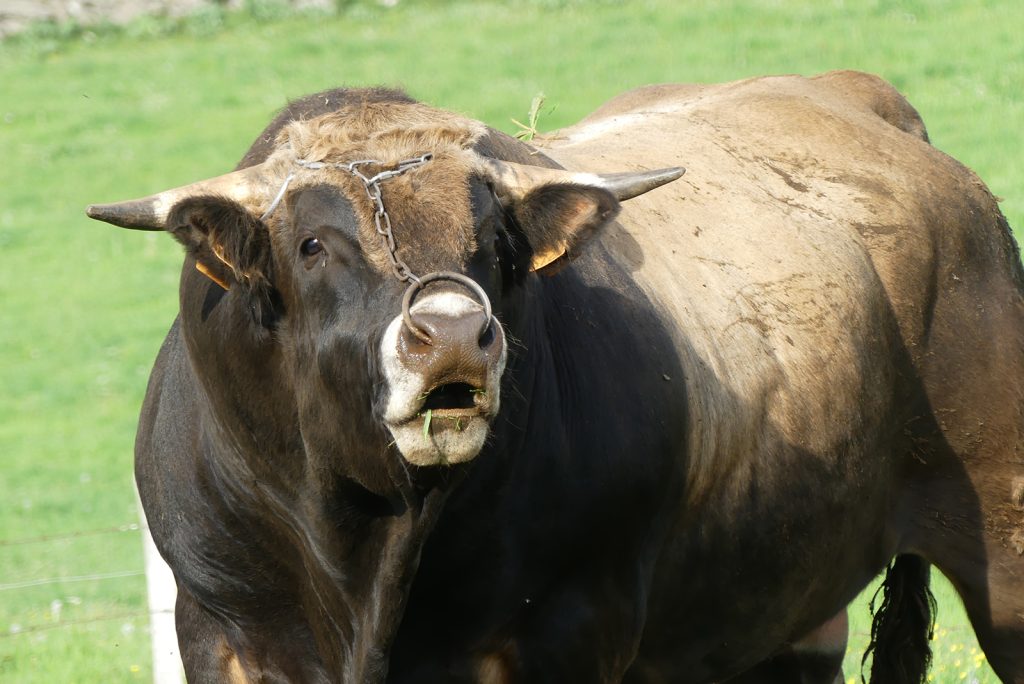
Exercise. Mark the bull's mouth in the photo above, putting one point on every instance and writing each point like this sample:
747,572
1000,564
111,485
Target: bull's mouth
449,425
452,407
454,399
439,408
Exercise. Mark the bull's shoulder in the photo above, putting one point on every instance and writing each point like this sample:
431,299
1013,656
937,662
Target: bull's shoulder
876,94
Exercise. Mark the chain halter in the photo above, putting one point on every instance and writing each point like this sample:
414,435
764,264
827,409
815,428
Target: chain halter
382,224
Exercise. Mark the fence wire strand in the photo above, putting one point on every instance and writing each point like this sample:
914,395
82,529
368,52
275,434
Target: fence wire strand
73,578
43,581
129,527
127,615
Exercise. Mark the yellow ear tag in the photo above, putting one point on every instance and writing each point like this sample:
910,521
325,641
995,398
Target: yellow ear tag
209,274
542,259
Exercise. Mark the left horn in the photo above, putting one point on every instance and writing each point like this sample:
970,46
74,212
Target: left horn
519,179
247,186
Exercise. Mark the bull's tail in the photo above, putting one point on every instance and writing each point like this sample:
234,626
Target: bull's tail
903,624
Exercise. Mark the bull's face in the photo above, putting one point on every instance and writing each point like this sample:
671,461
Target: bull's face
402,334
422,356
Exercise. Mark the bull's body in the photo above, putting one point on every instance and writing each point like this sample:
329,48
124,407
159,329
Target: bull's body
717,425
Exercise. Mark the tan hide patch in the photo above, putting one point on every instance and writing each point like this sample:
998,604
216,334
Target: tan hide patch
231,665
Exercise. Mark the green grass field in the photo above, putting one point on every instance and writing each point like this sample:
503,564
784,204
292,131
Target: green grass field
94,116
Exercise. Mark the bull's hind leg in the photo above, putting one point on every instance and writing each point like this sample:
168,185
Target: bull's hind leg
966,512
816,658
997,610
967,494
982,553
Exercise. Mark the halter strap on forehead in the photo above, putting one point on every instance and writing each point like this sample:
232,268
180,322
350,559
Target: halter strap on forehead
382,223
381,219
353,168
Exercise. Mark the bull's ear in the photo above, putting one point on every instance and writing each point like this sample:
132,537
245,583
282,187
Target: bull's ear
560,210
229,244
558,219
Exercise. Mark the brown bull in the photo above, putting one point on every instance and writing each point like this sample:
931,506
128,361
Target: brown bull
437,411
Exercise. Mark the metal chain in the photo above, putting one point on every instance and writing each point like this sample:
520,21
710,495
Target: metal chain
381,219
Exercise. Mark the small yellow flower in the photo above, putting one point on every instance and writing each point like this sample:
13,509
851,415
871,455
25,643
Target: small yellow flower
135,668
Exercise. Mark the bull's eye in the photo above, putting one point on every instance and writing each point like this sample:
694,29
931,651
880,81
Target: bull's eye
310,247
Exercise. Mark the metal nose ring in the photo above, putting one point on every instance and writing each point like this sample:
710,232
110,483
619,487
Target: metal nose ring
416,285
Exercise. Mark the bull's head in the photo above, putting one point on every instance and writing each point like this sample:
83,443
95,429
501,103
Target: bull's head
373,325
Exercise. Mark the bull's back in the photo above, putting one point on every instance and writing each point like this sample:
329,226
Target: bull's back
785,173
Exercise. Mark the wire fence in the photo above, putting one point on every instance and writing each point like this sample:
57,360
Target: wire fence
159,598
7,586
129,527
127,615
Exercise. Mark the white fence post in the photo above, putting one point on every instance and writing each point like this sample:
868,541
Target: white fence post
161,592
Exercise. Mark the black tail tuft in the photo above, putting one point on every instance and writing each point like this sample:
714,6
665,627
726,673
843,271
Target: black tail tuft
903,625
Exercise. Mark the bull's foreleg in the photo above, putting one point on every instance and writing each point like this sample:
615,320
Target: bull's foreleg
204,649
816,658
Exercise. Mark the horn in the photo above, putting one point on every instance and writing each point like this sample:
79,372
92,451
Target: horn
247,186
519,179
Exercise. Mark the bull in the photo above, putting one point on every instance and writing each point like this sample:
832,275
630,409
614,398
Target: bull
441,405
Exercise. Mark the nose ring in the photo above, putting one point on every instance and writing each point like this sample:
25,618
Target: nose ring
416,285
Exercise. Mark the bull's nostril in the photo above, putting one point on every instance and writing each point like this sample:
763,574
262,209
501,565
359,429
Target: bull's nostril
487,338
419,330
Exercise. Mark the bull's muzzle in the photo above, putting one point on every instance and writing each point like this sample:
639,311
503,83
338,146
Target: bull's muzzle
443,359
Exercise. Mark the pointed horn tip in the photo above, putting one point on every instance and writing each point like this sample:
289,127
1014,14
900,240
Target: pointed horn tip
108,213
123,215
674,172
663,176
632,184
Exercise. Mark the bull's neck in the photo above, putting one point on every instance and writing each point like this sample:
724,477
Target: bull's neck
346,560
365,588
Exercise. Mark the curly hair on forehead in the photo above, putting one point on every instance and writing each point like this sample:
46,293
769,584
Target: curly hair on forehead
385,131
430,206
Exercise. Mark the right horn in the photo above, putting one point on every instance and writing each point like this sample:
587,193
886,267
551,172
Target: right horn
517,180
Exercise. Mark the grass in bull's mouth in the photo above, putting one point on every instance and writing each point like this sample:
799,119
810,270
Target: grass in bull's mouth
427,417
